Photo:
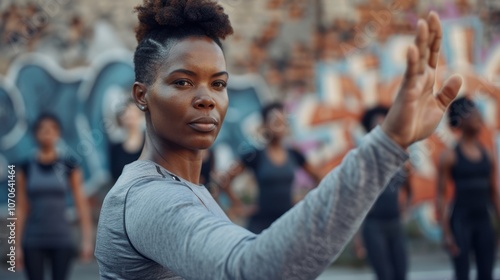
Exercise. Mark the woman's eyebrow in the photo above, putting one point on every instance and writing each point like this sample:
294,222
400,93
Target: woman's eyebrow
193,74
183,71
221,73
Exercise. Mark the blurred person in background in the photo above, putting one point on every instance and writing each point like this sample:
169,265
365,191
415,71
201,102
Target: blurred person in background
382,232
208,174
122,150
44,232
209,177
468,228
274,169
207,167
75,43
131,120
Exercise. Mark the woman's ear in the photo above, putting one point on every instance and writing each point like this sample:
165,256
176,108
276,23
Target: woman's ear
139,94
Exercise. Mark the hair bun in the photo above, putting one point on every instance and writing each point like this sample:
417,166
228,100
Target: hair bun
163,15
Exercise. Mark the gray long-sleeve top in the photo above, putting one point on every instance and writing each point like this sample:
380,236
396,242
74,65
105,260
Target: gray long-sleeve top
154,225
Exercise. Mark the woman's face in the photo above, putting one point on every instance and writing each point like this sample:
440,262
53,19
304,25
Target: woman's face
47,133
188,101
472,123
132,117
277,124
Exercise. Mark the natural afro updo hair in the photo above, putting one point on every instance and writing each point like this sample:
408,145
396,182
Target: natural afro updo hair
266,110
459,110
162,22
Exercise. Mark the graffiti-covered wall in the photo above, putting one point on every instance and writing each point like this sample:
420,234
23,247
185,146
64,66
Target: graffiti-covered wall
80,98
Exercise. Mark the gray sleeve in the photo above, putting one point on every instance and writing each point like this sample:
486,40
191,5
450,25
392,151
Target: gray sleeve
168,225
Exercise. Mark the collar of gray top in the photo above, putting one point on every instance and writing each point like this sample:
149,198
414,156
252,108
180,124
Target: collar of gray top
163,175
158,169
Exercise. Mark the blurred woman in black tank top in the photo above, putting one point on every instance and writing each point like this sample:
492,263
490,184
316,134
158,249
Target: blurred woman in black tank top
43,234
381,238
274,169
468,226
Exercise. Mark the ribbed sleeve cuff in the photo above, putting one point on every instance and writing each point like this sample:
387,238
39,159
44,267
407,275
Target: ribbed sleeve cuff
392,148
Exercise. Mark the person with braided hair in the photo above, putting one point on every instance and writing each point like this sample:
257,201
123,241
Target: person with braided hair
158,222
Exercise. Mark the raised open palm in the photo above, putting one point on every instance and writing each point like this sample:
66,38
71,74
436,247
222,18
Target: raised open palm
417,111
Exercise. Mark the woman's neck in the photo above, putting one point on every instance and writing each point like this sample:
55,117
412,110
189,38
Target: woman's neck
275,143
468,140
47,155
178,160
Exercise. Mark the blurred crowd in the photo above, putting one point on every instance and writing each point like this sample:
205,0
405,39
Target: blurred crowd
71,32
294,35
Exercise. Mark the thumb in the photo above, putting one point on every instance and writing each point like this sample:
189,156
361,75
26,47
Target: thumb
449,90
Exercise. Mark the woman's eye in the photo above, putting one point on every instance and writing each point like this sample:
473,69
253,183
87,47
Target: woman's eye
219,84
182,83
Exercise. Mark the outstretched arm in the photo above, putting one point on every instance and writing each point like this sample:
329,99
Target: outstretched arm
312,172
83,214
494,186
406,188
22,213
444,174
179,232
223,180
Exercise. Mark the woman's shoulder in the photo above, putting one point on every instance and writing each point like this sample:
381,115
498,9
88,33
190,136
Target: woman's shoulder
22,165
251,156
137,177
139,169
147,181
297,155
251,151
488,154
146,173
448,156
70,162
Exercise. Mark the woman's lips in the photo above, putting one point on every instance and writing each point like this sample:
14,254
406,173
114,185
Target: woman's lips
203,127
204,124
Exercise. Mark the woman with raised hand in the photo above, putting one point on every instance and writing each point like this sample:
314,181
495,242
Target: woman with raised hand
157,222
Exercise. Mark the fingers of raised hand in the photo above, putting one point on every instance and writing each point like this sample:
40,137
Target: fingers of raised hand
422,44
425,50
428,41
435,36
412,65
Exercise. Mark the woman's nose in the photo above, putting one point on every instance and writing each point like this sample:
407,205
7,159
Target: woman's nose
204,101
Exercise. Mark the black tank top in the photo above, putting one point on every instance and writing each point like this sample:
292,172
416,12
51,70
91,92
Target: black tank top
472,182
47,188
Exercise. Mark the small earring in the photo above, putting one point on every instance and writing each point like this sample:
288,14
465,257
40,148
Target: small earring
142,108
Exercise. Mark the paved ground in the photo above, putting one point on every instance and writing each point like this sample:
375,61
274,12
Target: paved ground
434,266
